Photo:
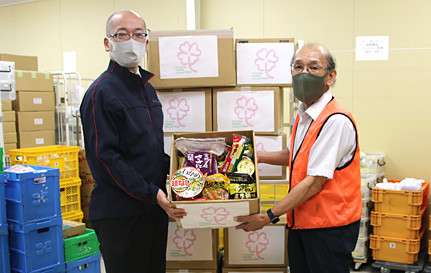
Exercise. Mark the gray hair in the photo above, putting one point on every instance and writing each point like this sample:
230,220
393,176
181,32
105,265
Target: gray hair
109,23
329,58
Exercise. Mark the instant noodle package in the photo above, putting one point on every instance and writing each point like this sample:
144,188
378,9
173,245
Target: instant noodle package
213,176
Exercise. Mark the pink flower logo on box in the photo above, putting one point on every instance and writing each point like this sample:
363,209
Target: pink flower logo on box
212,214
246,108
266,61
189,54
257,243
260,147
178,109
184,239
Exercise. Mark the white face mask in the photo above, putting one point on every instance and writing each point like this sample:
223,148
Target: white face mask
127,53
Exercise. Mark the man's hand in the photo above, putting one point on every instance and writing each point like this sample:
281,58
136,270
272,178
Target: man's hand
252,222
167,206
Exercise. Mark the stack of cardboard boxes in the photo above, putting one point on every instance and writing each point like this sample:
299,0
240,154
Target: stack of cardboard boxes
9,129
202,90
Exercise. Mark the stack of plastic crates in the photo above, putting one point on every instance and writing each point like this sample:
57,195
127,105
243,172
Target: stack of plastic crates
4,245
34,220
82,253
64,158
399,224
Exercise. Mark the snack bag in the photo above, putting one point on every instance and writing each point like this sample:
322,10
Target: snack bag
203,161
216,187
242,186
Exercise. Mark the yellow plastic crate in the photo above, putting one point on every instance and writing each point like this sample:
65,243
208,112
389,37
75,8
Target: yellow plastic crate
220,238
400,202
74,216
64,158
398,225
70,195
396,250
273,192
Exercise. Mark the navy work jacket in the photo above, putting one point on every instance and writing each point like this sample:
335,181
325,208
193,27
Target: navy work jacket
122,122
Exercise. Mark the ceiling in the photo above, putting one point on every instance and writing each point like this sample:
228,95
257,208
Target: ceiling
13,2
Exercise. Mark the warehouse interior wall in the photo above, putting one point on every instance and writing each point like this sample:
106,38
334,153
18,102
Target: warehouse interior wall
389,99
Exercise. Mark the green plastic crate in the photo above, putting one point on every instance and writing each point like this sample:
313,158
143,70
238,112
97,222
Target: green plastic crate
82,246
1,160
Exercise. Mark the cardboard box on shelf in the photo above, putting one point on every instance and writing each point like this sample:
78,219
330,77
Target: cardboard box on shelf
216,213
8,116
191,248
266,247
34,101
21,62
186,110
271,143
264,62
252,270
36,139
248,108
34,81
6,105
192,58
10,137
72,229
9,146
35,121
9,127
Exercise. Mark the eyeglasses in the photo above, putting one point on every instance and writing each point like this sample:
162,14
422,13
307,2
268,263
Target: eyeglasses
138,36
312,69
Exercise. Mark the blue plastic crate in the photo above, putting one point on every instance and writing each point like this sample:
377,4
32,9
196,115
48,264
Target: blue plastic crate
32,196
3,221
4,253
57,268
36,245
90,264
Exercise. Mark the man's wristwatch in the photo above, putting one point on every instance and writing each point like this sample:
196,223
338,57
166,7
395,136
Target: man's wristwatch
274,219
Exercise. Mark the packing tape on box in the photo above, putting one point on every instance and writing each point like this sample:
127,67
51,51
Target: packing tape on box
245,88
221,33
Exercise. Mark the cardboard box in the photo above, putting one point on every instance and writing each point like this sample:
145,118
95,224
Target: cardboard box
219,213
186,110
271,143
10,137
34,81
34,101
192,58
266,247
84,169
35,121
191,271
254,270
248,108
6,105
9,146
191,248
36,139
264,62
9,127
8,116
21,62
72,229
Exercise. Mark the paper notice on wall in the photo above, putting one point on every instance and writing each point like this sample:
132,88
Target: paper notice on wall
264,63
264,246
245,110
269,144
183,111
69,61
189,244
188,57
372,48
213,215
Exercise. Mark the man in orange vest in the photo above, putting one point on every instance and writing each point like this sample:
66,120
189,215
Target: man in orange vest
324,203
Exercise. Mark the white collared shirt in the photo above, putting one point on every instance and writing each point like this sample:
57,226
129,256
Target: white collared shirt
336,143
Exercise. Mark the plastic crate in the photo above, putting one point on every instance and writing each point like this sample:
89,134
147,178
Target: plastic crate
1,158
366,205
398,225
56,268
400,202
36,246
74,216
81,246
70,195
4,253
372,163
273,192
3,221
404,251
364,227
63,157
368,181
32,196
361,249
90,264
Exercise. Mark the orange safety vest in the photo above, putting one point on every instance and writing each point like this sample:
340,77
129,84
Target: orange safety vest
339,203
